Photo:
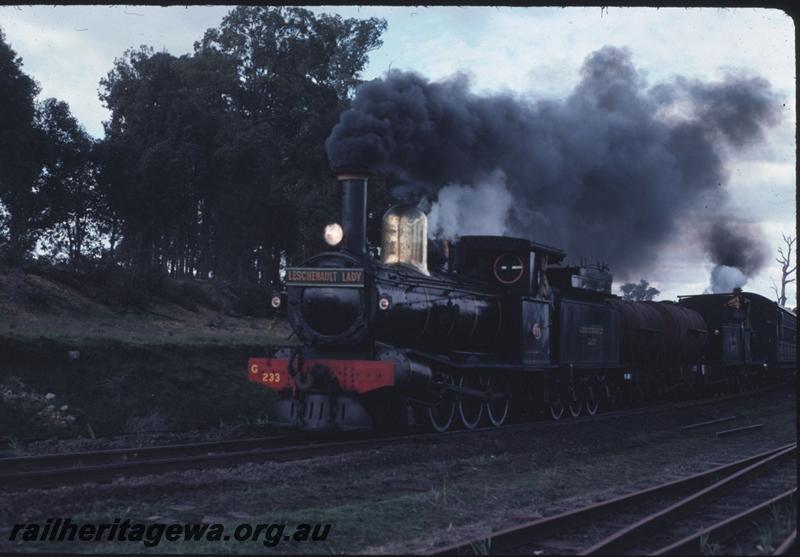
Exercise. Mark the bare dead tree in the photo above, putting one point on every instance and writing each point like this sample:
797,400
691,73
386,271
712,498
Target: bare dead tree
785,260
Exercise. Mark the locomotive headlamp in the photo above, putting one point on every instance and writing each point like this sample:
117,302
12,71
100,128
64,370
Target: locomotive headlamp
276,301
333,234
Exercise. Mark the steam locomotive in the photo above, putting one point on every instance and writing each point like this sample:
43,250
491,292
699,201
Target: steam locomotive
502,328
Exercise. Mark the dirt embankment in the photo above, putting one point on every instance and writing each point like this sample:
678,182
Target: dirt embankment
101,354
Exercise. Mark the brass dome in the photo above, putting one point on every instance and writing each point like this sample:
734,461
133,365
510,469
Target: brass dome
405,238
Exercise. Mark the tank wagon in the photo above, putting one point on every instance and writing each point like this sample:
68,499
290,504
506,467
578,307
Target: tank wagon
501,327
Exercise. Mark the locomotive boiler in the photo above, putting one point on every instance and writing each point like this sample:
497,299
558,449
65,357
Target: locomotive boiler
502,327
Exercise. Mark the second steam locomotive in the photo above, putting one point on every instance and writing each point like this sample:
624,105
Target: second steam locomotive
502,328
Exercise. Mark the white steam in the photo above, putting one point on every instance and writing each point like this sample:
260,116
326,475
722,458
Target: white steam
724,279
479,209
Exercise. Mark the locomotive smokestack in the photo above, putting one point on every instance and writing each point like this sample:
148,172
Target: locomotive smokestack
354,208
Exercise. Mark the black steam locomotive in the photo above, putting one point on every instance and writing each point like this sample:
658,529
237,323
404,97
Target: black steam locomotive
501,328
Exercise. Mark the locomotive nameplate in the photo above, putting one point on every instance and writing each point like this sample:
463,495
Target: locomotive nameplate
324,276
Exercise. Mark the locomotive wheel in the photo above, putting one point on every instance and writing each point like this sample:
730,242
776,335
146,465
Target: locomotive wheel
441,415
592,404
499,405
556,409
470,409
575,403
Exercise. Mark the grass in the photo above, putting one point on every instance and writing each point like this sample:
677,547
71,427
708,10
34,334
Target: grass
177,360
776,528
119,388
14,446
378,506
144,330
483,547
769,534
71,308
708,548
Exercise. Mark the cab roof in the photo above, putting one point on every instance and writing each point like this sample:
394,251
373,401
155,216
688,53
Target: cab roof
507,243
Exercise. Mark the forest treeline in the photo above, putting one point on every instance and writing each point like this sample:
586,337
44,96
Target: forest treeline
212,164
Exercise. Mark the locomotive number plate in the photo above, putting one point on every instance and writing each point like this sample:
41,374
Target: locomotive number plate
271,377
309,276
273,373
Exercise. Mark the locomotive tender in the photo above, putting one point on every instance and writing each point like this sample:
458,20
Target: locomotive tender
502,327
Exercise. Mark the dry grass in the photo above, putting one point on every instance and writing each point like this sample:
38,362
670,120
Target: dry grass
34,307
176,360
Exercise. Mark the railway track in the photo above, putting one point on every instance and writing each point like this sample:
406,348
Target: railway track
43,471
788,545
711,511
128,454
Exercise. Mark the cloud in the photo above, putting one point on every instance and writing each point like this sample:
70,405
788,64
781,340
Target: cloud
68,49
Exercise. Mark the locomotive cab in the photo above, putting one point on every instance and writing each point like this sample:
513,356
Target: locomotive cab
515,265
518,268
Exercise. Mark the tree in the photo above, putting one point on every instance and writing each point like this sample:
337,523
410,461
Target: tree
296,72
21,207
67,182
157,154
641,292
285,55
214,162
785,261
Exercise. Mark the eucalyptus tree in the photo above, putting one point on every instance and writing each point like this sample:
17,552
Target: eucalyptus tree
214,162
74,209
21,205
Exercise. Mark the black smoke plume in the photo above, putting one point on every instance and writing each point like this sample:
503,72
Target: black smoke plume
738,250
606,172
737,244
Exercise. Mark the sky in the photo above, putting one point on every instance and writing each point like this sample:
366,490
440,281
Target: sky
534,52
